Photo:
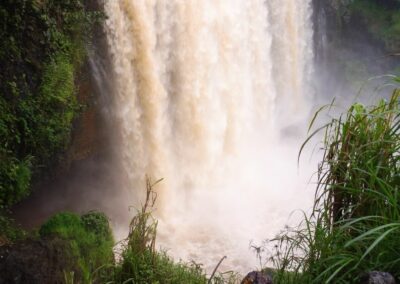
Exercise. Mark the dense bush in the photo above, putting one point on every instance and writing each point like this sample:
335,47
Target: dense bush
89,236
10,231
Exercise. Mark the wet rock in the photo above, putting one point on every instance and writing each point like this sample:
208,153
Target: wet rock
36,261
377,277
256,277
3,240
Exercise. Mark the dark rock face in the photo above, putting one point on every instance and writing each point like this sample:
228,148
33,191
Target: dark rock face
87,164
377,277
256,277
90,136
345,48
36,261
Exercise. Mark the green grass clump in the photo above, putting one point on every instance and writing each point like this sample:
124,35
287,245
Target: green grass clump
355,224
89,236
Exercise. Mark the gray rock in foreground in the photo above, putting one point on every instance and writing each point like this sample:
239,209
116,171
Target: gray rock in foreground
256,277
377,277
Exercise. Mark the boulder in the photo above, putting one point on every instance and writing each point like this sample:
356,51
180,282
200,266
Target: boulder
37,262
257,277
377,277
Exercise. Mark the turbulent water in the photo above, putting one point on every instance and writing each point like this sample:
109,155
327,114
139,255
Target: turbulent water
211,96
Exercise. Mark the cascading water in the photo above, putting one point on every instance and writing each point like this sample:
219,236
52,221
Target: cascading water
208,95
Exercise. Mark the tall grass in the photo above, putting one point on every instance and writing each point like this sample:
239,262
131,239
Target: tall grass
355,223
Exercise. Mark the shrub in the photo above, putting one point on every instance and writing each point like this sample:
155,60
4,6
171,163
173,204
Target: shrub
89,236
9,231
16,177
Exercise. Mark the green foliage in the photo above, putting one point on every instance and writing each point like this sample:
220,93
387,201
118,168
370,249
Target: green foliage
90,238
354,226
67,225
141,263
16,176
57,98
41,51
9,232
97,223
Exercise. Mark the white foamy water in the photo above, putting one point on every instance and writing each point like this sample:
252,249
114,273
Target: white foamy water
211,95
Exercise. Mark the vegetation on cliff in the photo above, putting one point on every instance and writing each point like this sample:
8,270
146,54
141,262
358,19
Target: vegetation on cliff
382,18
41,51
356,40
68,248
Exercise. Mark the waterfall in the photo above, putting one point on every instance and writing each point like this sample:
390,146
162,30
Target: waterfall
208,95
